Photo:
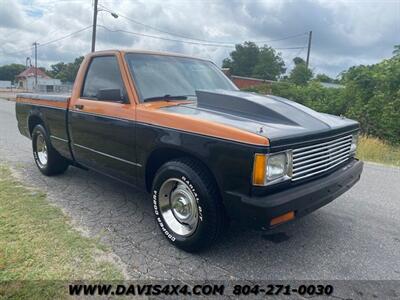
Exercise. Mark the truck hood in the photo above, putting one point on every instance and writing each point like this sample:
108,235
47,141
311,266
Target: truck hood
280,120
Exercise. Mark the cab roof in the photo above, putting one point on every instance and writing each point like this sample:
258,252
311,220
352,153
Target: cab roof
146,52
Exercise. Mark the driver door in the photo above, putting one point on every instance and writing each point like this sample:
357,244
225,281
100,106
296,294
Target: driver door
101,121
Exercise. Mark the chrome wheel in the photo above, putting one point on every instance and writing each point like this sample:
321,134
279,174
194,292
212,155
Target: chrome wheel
178,207
41,150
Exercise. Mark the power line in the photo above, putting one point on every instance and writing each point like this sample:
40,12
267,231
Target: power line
284,38
163,38
160,30
182,41
19,51
66,36
49,42
192,38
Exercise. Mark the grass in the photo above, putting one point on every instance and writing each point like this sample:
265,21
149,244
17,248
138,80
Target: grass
40,252
376,150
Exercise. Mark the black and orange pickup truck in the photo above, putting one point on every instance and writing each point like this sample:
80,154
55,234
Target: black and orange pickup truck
206,152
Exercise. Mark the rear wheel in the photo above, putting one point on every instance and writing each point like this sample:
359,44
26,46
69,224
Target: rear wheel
47,159
187,205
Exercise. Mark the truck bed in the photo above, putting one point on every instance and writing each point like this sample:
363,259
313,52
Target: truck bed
53,110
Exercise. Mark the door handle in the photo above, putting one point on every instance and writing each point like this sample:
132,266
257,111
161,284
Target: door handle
79,106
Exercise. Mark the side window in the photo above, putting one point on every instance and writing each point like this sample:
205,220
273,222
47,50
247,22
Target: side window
103,80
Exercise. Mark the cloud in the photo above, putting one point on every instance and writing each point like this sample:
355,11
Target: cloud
10,16
345,33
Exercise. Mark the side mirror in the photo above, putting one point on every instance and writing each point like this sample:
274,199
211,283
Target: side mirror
110,95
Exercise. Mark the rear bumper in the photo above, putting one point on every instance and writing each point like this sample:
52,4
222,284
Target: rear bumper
302,199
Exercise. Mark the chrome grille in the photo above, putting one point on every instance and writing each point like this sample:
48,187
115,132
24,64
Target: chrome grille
318,158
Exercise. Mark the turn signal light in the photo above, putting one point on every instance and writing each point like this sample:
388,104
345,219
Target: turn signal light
282,218
259,169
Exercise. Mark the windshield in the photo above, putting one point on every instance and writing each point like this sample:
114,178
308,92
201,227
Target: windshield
160,75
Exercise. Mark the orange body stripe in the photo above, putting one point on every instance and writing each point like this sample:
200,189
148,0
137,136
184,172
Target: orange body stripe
152,115
58,104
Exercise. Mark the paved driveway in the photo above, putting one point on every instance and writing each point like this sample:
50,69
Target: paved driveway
355,237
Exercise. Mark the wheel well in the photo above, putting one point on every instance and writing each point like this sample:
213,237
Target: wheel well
161,156
33,121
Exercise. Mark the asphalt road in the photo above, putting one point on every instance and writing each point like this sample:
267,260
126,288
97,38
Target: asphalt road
355,237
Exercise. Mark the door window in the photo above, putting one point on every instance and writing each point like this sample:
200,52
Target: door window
103,78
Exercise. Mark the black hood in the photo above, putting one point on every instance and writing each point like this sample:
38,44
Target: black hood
281,120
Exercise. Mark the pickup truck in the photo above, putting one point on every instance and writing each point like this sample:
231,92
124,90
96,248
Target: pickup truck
206,152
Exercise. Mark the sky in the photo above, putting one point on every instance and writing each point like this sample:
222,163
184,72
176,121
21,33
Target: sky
345,32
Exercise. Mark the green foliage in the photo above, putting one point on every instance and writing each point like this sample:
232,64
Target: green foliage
371,95
243,59
396,51
325,78
253,61
375,95
270,64
39,250
298,60
300,74
8,72
313,95
66,72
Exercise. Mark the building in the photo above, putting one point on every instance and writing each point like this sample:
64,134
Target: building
248,82
26,80
5,84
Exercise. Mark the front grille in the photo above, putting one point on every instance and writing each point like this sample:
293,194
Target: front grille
318,158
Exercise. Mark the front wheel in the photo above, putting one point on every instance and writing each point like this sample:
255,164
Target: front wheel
187,205
47,159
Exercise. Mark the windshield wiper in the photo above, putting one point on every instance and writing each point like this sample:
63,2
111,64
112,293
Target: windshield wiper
168,98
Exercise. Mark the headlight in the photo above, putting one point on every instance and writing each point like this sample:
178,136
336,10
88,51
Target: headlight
272,168
354,141
276,166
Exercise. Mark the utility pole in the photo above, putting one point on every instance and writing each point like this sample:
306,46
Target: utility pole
94,25
35,44
28,63
309,48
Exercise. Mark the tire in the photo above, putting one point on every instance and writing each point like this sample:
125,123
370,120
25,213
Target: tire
47,159
176,184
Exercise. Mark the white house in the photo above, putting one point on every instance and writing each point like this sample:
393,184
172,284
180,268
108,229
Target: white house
26,80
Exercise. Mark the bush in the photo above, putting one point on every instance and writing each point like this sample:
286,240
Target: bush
371,95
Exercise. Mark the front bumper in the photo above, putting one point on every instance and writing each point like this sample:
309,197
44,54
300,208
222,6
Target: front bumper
302,199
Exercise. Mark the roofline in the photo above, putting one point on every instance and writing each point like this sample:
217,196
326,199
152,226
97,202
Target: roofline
149,52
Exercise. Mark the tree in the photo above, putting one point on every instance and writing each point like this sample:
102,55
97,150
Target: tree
325,78
66,72
270,64
298,60
74,67
396,51
57,69
250,60
370,95
300,74
243,59
8,72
